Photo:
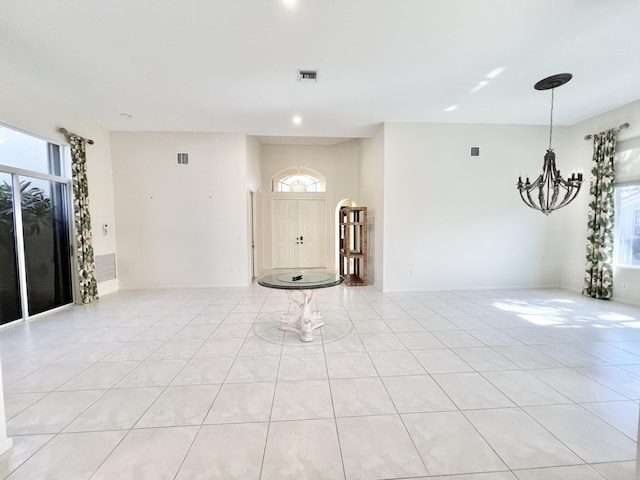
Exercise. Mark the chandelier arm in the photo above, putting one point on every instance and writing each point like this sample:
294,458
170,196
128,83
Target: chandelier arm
572,192
554,197
543,204
528,189
572,186
570,196
524,199
537,183
529,203
550,175
570,182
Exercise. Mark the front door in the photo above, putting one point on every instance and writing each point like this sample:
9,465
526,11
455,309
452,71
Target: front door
299,232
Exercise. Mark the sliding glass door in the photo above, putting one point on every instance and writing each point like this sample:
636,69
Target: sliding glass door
35,235
10,305
45,228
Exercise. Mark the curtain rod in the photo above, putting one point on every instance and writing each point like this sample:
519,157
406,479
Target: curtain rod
64,131
621,127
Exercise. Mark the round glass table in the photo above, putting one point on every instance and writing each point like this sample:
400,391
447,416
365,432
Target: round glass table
302,319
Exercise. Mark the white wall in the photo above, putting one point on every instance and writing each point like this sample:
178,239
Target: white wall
371,195
338,163
456,222
575,226
24,110
181,225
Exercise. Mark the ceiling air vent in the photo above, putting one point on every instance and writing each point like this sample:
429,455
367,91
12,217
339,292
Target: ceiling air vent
307,75
474,151
183,158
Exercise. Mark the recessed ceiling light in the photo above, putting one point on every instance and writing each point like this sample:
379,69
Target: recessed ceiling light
451,108
297,119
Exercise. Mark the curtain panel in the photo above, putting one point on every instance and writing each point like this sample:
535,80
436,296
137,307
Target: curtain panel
598,280
82,218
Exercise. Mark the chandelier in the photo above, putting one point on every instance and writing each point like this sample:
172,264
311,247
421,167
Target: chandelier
550,191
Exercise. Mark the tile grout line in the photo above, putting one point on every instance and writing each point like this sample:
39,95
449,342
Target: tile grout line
273,397
333,408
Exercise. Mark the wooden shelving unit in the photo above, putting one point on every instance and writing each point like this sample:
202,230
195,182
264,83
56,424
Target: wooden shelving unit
353,245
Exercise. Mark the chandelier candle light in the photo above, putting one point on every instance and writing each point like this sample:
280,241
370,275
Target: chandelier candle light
550,191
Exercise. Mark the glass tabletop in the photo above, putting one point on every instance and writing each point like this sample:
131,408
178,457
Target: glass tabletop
300,280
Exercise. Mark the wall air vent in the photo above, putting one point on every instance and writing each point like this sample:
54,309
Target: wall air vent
105,267
183,159
474,151
307,75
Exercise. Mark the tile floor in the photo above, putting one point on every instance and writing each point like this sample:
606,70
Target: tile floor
200,384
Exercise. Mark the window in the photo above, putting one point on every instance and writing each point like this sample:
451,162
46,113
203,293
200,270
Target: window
627,246
298,179
627,227
27,152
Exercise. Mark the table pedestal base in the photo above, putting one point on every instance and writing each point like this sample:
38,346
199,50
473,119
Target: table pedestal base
302,320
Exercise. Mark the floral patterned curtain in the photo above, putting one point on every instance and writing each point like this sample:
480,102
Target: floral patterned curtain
84,248
598,281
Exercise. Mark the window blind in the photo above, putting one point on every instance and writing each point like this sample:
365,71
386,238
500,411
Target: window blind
627,161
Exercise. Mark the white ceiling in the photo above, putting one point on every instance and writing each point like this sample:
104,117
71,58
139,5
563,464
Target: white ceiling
230,65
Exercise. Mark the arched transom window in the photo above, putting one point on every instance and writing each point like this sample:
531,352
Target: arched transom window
298,179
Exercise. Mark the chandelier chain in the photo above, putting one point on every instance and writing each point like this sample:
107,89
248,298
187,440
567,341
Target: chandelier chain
551,119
